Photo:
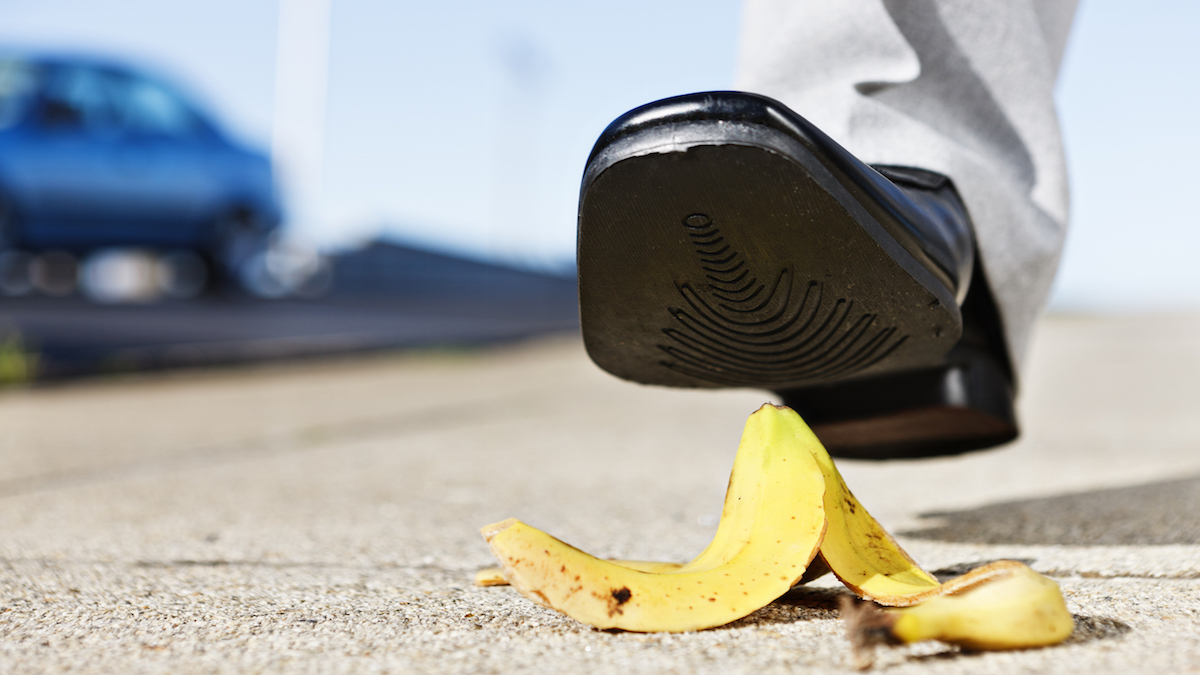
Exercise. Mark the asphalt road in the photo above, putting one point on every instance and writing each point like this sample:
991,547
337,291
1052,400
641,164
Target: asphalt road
73,337
383,297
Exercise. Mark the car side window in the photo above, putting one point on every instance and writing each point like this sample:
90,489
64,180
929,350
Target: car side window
78,98
149,108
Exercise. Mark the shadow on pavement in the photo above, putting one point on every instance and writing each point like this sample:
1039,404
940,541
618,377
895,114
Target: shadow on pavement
1091,628
1143,515
799,604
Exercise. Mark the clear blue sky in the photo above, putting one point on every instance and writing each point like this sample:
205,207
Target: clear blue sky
465,125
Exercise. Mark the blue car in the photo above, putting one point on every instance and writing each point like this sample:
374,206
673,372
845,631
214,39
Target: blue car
96,154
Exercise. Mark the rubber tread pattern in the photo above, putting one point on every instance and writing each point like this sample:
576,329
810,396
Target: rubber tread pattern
739,330
734,265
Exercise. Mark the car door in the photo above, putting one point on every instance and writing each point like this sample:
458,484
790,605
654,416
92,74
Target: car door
166,157
62,168
116,159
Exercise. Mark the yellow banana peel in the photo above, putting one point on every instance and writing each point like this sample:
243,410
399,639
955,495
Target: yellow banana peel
788,517
771,526
1014,608
1018,608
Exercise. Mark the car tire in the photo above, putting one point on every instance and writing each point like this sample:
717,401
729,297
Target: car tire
236,240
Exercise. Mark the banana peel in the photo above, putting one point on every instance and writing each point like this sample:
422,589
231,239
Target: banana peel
1016,608
770,528
788,518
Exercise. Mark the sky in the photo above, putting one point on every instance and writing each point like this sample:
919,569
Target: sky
464,126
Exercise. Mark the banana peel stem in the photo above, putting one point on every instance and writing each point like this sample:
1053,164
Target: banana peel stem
867,627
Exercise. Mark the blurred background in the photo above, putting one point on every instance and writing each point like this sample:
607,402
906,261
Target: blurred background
426,160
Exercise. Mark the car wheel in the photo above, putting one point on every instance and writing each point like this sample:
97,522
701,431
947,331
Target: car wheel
15,272
236,241
182,275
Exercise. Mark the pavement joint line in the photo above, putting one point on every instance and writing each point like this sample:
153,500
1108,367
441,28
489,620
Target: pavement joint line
1149,576
299,440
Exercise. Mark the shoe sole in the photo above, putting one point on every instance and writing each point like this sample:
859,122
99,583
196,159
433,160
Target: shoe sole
728,254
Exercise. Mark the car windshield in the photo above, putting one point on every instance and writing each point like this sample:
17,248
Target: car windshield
16,87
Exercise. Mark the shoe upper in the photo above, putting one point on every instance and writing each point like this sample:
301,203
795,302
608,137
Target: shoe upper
945,231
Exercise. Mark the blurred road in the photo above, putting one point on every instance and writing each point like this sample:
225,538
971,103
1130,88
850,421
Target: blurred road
382,297
74,337
322,516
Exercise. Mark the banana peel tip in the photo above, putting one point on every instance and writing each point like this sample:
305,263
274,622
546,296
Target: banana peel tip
489,531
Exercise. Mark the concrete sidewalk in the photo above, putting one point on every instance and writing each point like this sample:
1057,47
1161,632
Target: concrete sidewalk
323,517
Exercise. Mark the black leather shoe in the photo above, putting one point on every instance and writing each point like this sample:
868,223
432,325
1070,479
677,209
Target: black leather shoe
724,241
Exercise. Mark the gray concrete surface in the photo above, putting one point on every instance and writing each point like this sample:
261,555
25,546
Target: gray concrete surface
323,517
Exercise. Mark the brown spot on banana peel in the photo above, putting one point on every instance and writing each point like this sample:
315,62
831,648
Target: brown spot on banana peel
622,595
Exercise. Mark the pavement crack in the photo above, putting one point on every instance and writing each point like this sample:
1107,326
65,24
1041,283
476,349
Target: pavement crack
1087,574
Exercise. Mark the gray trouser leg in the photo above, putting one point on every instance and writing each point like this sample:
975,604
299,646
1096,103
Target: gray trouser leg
961,87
